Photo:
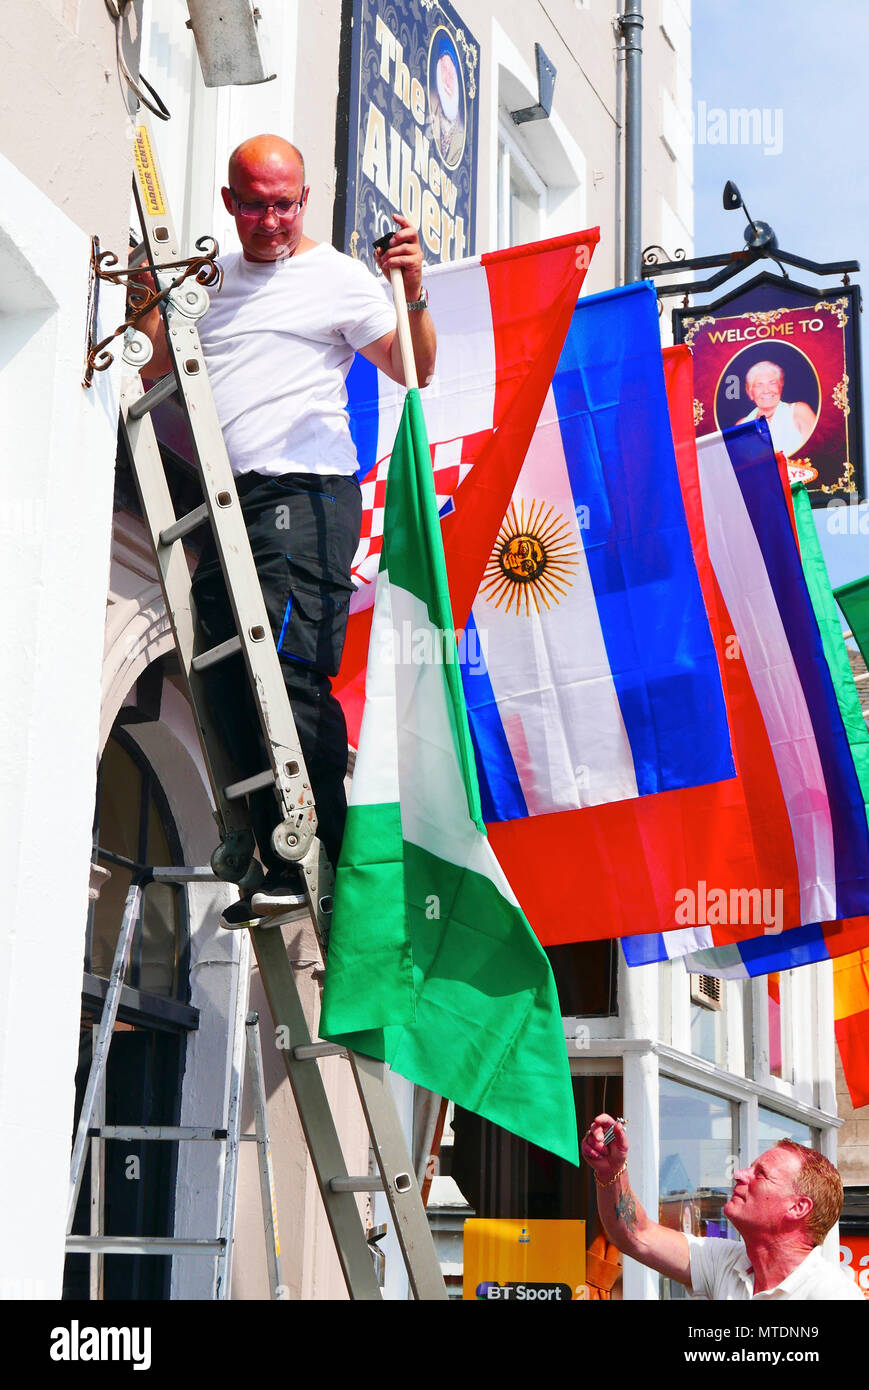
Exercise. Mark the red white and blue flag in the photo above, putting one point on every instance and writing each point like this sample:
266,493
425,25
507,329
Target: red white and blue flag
805,809
588,665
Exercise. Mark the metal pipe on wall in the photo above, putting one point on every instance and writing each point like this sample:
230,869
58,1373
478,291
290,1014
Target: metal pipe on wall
618,228
632,27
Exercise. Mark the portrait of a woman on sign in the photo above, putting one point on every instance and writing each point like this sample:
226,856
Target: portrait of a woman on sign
446,96
773,382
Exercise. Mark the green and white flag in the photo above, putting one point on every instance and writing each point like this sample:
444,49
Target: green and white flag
432,965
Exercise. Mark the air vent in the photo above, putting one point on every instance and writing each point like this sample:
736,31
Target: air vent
707,990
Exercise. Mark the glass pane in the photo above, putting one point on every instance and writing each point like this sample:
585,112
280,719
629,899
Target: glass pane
120,802
698,1147
524,210
155,954
586,974
773,989
771,1127
707,1033
159,958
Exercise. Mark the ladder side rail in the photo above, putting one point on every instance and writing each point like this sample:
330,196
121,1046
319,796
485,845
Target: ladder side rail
98,1181
99,1061
175,582
223,1267
315,1114
394,1161
264,1154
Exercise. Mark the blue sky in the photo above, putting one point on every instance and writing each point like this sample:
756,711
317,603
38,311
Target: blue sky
806,65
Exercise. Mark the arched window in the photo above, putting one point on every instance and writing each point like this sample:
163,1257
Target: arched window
133,821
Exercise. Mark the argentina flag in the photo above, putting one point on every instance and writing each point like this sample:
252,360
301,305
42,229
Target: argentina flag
588,665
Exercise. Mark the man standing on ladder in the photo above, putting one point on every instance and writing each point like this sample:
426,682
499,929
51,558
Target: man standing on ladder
279,340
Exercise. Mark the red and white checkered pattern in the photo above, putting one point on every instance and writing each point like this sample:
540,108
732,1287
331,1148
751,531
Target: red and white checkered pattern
452,461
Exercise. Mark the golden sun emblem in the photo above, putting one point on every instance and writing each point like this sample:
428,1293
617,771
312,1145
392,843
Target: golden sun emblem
532,559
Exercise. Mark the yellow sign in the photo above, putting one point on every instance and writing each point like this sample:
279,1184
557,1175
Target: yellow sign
524,1261
146,168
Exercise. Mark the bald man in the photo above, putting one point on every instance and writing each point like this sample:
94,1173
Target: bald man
279,339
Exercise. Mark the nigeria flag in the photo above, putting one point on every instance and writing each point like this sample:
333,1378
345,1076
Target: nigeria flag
432,965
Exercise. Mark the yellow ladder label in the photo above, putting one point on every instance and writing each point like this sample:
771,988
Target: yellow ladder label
146,169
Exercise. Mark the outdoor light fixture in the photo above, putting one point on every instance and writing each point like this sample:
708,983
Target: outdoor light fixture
545,90
228,42
759,236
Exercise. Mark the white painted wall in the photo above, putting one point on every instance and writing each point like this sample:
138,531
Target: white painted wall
58,453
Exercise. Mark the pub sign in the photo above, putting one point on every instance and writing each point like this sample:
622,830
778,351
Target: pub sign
407,127
790,355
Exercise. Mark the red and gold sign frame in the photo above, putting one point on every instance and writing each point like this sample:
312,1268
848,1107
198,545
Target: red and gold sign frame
790,355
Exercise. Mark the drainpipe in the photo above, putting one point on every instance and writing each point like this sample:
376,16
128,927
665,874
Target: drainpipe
631,23
618,254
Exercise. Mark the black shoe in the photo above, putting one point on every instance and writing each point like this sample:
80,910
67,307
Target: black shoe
240,914
279,892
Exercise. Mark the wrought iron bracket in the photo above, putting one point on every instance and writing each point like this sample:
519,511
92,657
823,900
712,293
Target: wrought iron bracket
732,263
141,298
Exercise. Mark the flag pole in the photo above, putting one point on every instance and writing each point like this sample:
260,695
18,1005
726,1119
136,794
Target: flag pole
405,342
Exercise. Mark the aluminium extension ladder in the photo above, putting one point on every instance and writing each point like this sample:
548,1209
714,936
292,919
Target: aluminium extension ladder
295,838
92,1131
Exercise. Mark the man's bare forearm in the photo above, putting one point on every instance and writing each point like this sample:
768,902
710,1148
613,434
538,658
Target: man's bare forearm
621,1214
605,1149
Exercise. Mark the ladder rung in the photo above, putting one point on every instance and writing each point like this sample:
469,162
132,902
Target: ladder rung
318,1049
158,393
155,1132
250,784
215,654
137,256
186,874
370,1184
184,525
282,918
143,1245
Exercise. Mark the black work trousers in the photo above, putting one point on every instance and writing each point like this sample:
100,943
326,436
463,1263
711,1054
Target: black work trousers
304,530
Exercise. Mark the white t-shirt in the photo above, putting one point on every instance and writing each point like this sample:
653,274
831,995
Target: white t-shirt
279,340
720,1269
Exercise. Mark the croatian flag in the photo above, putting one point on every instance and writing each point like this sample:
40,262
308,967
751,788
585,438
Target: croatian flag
589,669
501,321
806,808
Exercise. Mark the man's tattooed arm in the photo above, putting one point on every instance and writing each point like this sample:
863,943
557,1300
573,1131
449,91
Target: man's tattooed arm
629,1228
626,1209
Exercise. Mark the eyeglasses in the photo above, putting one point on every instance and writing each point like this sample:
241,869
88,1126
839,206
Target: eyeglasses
283,208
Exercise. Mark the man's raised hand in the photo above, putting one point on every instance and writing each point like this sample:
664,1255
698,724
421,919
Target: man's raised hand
403,253
605,1159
